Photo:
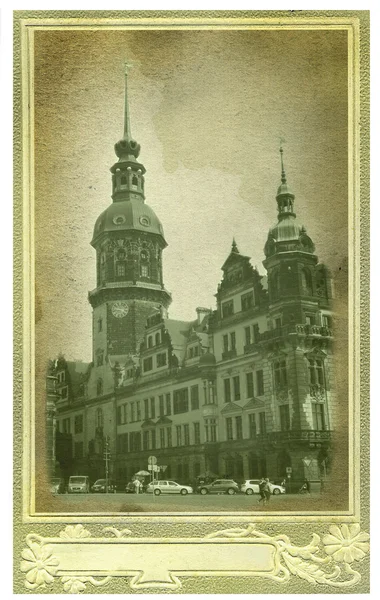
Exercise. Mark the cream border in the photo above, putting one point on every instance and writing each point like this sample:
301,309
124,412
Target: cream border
352,27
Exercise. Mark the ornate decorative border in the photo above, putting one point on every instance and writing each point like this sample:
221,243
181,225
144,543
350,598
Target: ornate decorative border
336,557
329,561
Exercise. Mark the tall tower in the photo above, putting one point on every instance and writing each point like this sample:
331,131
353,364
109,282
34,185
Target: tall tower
297,284
129,240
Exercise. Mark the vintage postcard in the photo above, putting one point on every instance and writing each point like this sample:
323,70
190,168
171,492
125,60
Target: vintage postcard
192,216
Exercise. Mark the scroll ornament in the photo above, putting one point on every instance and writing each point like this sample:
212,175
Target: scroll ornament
329,561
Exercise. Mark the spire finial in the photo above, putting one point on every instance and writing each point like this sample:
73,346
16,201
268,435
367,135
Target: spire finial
234,246
283,175
127,123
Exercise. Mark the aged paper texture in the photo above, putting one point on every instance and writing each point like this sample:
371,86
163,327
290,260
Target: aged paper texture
195,320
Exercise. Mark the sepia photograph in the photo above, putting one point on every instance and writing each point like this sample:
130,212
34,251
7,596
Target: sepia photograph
192,234
191,269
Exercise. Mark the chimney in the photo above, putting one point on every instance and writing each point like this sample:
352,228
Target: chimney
201,313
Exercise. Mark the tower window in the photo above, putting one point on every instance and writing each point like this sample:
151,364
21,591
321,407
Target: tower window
99,417
100,325
144,271
135,181
99,387
120,270
123,180
307,287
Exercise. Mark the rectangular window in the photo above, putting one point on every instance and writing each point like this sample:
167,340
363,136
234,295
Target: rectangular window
186,435
78,424
64,392
148,364
194,395
197,434
78,449
252,425
180,401
310,319
120,270
263,426
227,390
318,416
280,374
168,405
122,443
161,359
249,381
146,409
100,325
239,428
138,410
236,383
133,414
162,438
247,333
161,405
284,418
146,440
227,308
247,301
179,435
57,425
327,321
135,441
225,343
144,271
212,426
99,358
66,425
260,382
153,439
229,431
233,340
256,333
277,323
152,408
169,436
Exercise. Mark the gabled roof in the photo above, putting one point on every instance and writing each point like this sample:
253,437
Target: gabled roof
148,423
164,421
254,403
231,407
234,258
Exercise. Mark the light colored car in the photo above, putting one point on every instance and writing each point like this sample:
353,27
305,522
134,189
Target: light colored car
251,486
168,487
79,484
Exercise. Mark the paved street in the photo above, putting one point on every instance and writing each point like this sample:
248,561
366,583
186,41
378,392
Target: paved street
190,503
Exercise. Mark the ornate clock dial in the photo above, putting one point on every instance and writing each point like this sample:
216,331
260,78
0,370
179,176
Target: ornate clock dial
120,309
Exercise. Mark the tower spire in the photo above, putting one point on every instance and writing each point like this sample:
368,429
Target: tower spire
127,121
283,175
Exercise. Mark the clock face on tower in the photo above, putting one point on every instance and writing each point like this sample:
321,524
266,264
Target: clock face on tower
119,309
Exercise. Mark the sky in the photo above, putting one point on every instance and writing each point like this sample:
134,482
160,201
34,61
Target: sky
209,109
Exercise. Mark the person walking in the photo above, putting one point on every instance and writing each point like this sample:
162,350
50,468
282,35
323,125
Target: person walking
137,485
261,490
267,491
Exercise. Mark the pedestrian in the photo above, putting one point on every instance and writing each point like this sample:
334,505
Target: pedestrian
261,490
137,485
307,486
267,491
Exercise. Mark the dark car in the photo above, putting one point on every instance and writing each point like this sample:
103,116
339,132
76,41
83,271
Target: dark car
220,486
100,486
130,488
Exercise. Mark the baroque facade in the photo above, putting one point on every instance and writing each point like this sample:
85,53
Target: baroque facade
242,391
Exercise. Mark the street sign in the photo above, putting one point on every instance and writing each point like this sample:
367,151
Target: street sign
152,460
153,468
163,468
306,462
288,469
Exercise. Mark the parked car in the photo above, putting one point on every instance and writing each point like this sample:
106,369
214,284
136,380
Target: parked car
220,486
251,486
168,487
100,486
57,486
78,484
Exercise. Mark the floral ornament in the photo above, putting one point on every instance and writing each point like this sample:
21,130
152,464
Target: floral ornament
38,564
74,531
346,543
75,585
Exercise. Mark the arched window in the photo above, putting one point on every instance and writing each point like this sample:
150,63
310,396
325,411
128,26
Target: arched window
120,263
150,341
102,267
276,283
321,283
158,338
307,287
99,417
135,181
123,180
99,387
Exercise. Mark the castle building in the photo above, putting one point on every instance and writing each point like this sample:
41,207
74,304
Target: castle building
243,391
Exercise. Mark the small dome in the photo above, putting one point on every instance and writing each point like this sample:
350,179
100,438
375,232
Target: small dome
284,189
207,360
286,230
126,215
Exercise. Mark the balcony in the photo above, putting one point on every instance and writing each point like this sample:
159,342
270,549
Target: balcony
228,354
299,329
305,435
